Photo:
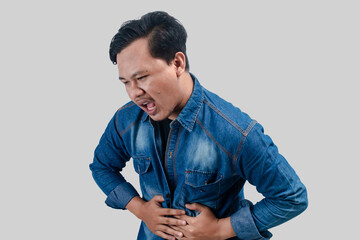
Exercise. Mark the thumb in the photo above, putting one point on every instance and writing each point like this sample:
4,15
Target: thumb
195,206
158,198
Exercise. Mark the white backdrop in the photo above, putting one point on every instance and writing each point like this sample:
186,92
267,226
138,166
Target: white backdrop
291,65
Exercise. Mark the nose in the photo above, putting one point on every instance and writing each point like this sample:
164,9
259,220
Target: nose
135,91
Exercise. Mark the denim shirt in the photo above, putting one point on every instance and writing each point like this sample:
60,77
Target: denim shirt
213,148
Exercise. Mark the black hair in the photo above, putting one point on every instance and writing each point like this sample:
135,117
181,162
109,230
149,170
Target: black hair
166,36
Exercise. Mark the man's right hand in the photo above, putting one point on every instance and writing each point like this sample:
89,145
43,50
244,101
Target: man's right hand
157,218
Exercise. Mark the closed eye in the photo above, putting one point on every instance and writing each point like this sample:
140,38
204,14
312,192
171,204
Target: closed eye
142,77
123,80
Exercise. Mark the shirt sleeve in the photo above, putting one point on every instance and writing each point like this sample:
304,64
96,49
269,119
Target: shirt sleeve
110,158
285,196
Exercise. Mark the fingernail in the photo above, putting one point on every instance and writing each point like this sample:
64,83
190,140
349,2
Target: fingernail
183,223
179,234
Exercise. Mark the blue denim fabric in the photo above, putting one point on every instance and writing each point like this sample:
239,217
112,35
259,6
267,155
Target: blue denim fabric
213,149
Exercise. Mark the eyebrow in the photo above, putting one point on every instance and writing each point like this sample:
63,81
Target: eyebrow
135,74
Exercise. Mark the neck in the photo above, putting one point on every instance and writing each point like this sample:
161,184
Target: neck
187,84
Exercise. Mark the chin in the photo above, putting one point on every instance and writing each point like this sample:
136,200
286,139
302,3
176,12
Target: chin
158,117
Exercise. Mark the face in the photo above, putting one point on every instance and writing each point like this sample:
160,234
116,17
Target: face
151,83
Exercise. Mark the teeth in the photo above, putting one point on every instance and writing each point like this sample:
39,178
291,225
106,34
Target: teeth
151,106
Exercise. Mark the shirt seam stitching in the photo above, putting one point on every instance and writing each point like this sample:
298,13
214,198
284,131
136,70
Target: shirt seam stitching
225,117
127,128
117,120
127,105
212,138
242,140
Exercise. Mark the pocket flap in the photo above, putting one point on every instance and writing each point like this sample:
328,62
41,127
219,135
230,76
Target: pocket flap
141,164
196,178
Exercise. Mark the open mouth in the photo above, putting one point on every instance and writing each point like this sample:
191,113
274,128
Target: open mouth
150,107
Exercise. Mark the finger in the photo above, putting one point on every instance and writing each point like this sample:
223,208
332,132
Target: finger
172,221
186,218
164,235
195,206
158,198
172,212
182,229
168,230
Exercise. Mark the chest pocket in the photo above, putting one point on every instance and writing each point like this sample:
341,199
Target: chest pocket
201,187
141,164
147,177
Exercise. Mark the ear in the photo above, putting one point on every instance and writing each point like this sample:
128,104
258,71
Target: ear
179,63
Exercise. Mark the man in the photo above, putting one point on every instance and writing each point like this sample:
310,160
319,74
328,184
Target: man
193,151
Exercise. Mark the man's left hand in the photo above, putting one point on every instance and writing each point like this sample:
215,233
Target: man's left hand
204,226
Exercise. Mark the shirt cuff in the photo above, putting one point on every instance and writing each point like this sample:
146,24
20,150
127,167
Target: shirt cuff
244,225
121,196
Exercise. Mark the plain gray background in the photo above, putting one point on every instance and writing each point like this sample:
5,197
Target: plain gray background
291,65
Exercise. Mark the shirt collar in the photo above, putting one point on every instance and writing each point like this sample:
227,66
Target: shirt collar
189,113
